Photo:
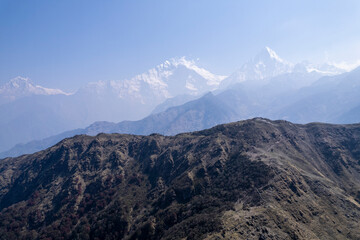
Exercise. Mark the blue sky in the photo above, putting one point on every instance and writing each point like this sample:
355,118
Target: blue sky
67,43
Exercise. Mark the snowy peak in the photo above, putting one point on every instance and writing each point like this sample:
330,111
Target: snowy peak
25,85
212,79
273,54
265,65
176,76
169,67
267,54
268,64
268,57
21,87
181,76
18,84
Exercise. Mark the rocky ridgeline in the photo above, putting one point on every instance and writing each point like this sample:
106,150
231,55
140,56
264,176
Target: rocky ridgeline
254,179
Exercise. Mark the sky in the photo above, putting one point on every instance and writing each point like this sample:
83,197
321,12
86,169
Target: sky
66,44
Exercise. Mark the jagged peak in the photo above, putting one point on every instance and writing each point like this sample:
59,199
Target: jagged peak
273,54
176,61
178,75
267,53
158,74
191,65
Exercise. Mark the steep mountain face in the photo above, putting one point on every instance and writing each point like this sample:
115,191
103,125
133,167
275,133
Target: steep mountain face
255,179
265,65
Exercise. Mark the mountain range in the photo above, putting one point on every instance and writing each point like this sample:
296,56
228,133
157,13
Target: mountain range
302,95
254,179
32,112
267,65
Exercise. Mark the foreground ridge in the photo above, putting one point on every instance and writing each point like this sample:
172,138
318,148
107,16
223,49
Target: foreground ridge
254,179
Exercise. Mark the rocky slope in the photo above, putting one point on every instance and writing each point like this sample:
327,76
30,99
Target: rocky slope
254,179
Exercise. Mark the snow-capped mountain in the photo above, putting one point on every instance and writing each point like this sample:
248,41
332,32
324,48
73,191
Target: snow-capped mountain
22,87
177,76
265,65
136,97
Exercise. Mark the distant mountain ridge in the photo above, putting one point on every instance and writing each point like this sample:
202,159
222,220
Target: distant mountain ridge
332,99
33,112
265,86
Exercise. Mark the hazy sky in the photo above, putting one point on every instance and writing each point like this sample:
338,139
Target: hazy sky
67,43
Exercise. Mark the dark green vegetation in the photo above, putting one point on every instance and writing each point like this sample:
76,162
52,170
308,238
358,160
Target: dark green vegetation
254,179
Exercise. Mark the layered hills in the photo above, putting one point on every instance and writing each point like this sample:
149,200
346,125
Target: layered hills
254,179
332,99
31,112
